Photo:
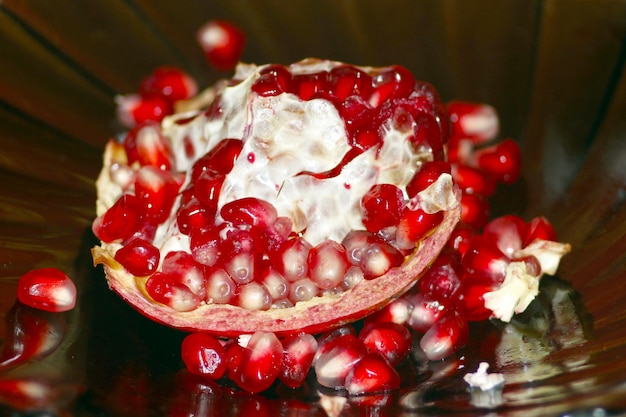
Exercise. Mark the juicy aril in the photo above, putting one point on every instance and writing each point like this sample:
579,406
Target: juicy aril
287,199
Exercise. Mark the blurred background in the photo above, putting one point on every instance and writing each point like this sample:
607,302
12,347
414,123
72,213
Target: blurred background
554,70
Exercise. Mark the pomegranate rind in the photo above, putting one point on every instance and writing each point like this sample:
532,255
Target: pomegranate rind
313,316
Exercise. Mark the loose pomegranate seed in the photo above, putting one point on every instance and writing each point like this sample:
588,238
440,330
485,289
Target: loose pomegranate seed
222,43
414,226
484,262
378,258
169,83
221,288
291,259
139,257
476,121
461,237
473,301
443,279
392,341
339,357
47,289
502,161
539,228
507,232
260,363
328,264
183,268
473,181
249,211
298,355
475,210
120,221
429,172
371,374
381,206
156,190
427,310
204,355
146,144
398,311
28,393
164,289
133,109
445,337
254,296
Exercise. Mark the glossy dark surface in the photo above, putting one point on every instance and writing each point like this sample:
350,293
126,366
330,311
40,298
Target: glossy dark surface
553,69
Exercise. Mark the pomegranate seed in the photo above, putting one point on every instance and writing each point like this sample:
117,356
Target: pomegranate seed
254,296
502,161
260,363
353,276
249,211
476,121
221,288
507,232
193,215
426,311
133,109
365,138
473,301
238,256
328,264
395,82
378,258
291,260
392,341
28,393
156,190
427,135
429,172
339,357
139,257
222,43
169,83
356,113
371,374
461,237
221,158
299,352
31,334
204,355
47,289
302,290
442,280
398,311
539,228
415,225
203,243
475,210
275,283
183,268
145,144
445,337
308,86
381,206
346,80
269,239
473,181
274,80
120,221
356,242
206,189
484,262
166,290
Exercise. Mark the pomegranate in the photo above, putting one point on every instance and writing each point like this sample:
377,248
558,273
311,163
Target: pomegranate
232,217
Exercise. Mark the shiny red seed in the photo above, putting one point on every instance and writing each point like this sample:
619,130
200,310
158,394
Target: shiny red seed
394,82
249,211
475,210
260,362
139,257
193,215
473,181
133,109
476,121
328,264
156,190
426,310
392,341
221,288
382,206
222,42
348,80
291,259
299,352
449,334
484,262
473,301
378,258
539,228
273,80
339,356
181,266
203,355
169,83
415,225
508,232
309,86
166,290
146,144
207,189
120,221
370,375
502,161
203,243
428,173
221,158
47,289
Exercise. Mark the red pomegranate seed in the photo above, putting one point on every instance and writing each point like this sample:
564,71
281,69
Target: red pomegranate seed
484,262
291,260
30,334
378,258
461,237
428,173
183,268
222,43
193,215
275,283
269,239
139,257
347,80
156,190
502,161
254,296
476,121
398,311
166,290
356,242
339,357
371,374
392,341
238,256
133,109
539,228
302,290
473,181
206,189
145,144
249,211
260,363
203,243
507,232
443,279
395,82
328,264
445,337
309,86
47,289
426,311
221,158
298,355
415,225
120,221
356,113
427,135
204,355
381,206
353,276
169,83
473,301
274,80
365,138
475,210
221,288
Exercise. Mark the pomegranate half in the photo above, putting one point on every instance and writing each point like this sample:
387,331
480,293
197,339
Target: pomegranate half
277,201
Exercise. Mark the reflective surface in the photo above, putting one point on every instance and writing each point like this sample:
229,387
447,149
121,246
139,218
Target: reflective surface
554,70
